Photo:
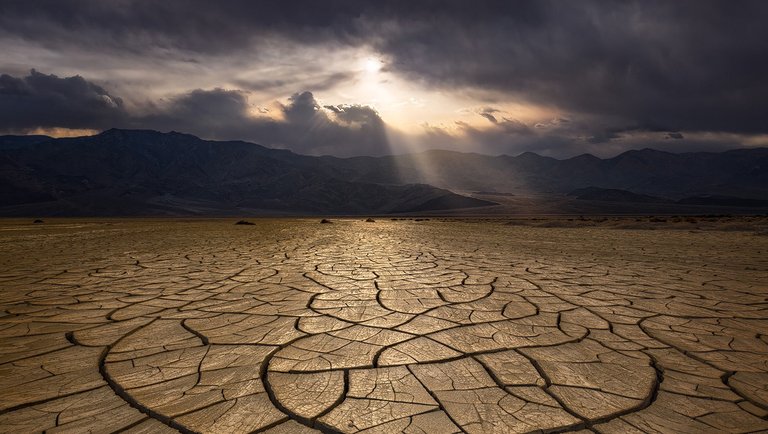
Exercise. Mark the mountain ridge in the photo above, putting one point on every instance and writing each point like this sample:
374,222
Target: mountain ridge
143,172
136,172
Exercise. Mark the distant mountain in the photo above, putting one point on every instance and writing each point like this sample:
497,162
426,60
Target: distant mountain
740,173
614,195
15,142
141,172
716,200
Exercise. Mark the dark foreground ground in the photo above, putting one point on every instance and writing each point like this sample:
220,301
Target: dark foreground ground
390,326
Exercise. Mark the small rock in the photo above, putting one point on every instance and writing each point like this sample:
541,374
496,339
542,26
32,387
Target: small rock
244,222
370,220
38,221
325,221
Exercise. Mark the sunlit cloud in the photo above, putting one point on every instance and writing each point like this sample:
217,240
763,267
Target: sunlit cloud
62,132
554,78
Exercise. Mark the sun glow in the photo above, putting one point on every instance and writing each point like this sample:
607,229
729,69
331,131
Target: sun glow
366,77
62,132
372,65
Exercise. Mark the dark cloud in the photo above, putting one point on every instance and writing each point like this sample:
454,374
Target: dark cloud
356,114
345,130
47,101
302,108
177,25
676,136
613,69
302,125
502,123
306,126
215,107
696,66
603,136
490,117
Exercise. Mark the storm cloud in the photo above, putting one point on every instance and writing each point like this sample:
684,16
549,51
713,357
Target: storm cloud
47,101
615,73
686,65
301,124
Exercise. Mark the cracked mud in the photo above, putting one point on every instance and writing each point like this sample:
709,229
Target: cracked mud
289,326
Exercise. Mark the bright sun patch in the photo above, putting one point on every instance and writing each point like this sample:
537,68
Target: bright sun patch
372,64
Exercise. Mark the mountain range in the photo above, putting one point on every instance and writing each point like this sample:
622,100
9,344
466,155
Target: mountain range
144,172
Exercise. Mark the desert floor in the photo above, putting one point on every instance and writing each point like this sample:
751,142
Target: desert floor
439,325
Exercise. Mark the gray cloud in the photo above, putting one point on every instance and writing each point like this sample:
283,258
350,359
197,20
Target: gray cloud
674,135
687,65
617,70
40,100
302,125
195,26
502,124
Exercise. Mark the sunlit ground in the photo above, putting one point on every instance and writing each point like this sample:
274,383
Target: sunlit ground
386,326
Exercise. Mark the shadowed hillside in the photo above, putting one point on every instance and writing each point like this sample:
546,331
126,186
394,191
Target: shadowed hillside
129,172
143,172
738,173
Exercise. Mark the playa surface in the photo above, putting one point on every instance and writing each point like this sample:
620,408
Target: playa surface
435,326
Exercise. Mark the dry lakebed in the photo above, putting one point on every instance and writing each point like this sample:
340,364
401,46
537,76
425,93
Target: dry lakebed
430,326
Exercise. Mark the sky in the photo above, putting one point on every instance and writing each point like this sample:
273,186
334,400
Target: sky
347,78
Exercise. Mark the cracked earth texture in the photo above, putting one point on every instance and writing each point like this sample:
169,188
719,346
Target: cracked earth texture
289,326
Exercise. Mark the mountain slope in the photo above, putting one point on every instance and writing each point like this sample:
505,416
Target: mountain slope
137,172
742,172
613,195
